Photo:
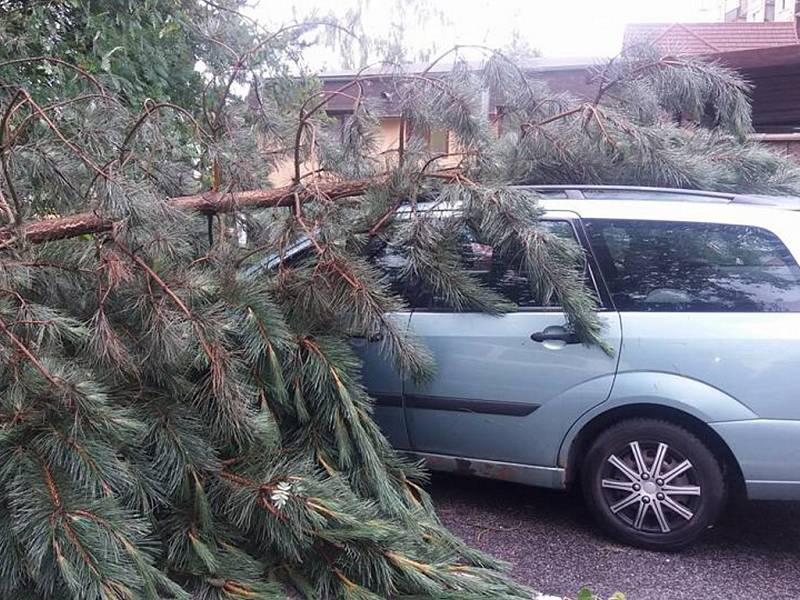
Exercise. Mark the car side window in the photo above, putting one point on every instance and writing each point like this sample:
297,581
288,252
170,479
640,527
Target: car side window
391,263
504,274
382,255
669,266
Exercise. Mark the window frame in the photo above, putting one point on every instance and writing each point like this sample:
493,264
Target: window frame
428,140
602,275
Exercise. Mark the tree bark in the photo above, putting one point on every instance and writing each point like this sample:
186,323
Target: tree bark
48,230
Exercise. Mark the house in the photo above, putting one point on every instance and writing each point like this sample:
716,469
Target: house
560,74
765,53
759,39
377,91
757,11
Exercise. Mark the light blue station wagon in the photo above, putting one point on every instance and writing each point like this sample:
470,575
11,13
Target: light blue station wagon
700,297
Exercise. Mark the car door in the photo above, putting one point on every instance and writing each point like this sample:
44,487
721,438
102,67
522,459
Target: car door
385,384
507,387
379,375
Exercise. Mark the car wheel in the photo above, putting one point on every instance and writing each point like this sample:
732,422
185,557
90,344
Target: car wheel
653,484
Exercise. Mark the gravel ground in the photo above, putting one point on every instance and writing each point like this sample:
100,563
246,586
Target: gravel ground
553,546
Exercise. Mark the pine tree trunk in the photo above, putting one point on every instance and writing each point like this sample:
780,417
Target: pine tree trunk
208,203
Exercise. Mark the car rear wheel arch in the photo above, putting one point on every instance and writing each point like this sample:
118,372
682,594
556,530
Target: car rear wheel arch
589,432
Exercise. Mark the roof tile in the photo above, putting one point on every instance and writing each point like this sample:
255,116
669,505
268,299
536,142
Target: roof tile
711,38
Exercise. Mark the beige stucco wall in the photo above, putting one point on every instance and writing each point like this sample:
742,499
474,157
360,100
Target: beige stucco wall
388,142
390,136
387,150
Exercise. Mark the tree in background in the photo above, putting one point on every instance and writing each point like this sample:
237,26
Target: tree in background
359,44
178,418
519,49
143,49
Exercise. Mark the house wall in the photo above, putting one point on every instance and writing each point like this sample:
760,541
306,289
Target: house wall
756,11
786,143
388,137
776,97
785,10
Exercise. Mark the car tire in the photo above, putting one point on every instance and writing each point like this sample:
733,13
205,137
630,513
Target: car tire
652,484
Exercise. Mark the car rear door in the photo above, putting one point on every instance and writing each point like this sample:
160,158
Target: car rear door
504,391
379,374
385,384
711,313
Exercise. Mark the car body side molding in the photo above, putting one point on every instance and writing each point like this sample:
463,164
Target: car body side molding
484,407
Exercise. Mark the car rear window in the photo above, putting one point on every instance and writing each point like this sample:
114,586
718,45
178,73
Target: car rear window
711,267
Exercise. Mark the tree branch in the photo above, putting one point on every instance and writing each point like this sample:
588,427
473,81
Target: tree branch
57,61
29,355
207,203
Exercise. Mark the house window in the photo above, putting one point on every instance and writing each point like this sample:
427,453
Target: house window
439,141
436,140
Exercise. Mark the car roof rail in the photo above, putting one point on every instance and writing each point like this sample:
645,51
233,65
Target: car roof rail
787,202
625,192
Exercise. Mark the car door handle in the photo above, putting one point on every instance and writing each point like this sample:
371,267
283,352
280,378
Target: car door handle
569,337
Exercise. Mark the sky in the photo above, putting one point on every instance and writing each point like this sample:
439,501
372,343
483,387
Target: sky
557,28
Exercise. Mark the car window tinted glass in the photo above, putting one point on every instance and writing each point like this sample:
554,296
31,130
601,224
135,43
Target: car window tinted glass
675,266
391,262
504,274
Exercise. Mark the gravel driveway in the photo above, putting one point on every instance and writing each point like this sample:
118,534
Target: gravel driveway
553,546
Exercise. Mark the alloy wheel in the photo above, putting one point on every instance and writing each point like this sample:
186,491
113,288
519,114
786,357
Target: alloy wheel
651,487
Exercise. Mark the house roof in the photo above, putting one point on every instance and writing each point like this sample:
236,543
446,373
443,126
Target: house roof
711,38
380,94
534,64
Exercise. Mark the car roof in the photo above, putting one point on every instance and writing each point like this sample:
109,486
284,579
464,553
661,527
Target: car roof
779,214
664,204
595,201
649,203
645,193
670,210
666,210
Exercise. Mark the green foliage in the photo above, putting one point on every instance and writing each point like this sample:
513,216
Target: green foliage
178,420
586,594
140,49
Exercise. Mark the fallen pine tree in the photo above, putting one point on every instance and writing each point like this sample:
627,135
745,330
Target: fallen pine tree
172,426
